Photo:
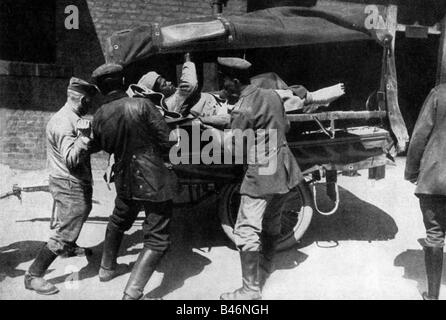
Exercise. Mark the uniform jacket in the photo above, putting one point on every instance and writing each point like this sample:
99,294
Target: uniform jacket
426,158
135,132
263,109
67,153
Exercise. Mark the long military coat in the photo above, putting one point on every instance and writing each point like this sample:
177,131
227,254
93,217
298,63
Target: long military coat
135,132
426,158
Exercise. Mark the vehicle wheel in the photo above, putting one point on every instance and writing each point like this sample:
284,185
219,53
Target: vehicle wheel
297,213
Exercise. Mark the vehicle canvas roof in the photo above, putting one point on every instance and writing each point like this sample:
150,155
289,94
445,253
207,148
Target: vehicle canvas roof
328,21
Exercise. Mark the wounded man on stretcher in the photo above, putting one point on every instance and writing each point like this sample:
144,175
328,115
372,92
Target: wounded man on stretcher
186,102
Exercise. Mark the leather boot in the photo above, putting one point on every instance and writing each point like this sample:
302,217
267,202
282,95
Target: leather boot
434,267
266,264
141,273
34,277
112,242
250,276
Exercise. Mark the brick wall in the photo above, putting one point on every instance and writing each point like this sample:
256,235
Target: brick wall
22,140
31,93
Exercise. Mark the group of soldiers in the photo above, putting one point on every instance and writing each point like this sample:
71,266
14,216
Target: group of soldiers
131,125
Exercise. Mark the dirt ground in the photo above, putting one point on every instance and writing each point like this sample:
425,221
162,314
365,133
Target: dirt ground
367,250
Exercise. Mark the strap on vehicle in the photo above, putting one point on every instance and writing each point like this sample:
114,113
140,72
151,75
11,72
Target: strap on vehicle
337,202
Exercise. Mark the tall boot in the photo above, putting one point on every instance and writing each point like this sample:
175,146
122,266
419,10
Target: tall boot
112,242
34,277
250,276
141,273
434,267
267,253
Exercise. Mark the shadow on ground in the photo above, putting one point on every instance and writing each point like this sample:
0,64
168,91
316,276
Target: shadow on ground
190,229
195,229
289,259
414,268
355,220
15,254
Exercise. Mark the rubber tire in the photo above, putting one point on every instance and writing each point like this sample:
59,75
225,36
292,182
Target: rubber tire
288,240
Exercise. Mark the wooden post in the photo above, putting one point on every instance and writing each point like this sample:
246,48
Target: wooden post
392,23
377,173
396,120
441,69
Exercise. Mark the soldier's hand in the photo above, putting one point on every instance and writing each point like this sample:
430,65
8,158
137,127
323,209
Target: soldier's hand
83,126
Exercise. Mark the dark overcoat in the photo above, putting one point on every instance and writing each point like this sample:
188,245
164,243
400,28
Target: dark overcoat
135,132
426,158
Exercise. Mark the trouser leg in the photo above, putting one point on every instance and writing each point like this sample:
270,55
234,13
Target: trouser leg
156,242
248,227
156,226
270,235
74,204
434,216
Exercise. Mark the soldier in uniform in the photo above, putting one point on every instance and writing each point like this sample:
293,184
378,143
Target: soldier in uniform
70,182
177,100
258,222
426,167
135,132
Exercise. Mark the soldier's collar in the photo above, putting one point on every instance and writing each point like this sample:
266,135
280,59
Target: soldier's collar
115,95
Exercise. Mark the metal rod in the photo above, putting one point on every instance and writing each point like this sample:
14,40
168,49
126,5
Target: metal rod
441,66
337,115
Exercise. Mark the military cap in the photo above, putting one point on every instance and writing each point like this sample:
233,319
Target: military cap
82,86
149,80
234,63
106,69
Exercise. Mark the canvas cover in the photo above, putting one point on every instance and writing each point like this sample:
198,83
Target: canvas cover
327,21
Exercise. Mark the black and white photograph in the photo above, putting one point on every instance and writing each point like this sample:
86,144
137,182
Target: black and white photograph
235,151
